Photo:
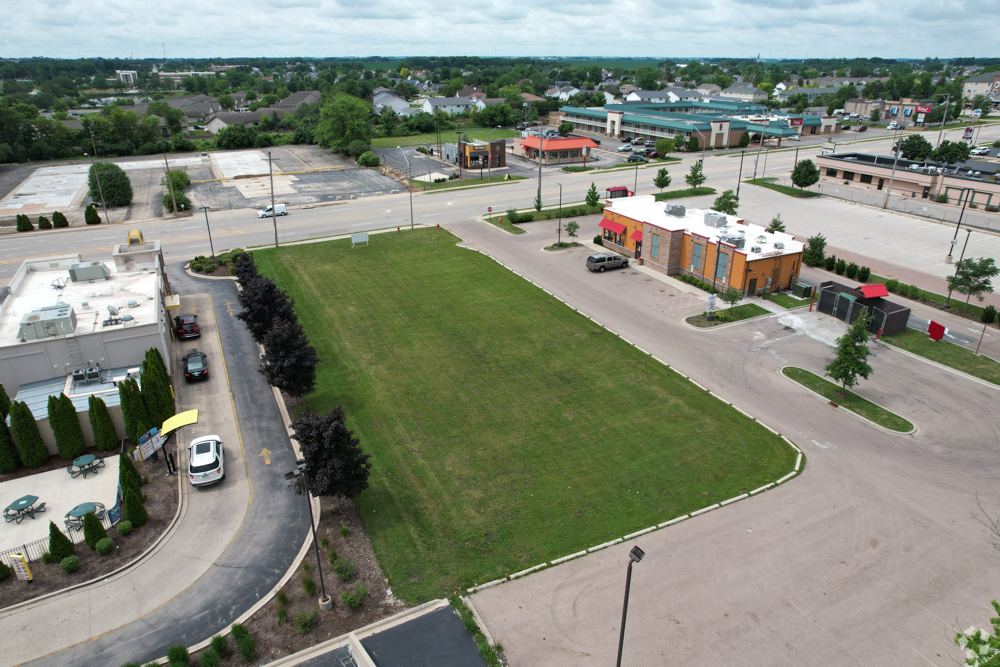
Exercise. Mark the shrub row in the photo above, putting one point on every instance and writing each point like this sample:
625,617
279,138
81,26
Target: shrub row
843,268
700,284
58,221
202,264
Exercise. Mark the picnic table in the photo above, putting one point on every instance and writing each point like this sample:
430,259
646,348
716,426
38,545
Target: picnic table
74,518
22,507
83,465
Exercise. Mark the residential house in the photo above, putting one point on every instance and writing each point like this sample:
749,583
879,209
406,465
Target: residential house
709,89
471,91
811,93
528,97
244,119
744,93
562,93
721,250
452,105
392,101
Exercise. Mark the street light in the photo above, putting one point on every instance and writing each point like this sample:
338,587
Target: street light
559,228
760,145
541,155
301,486
634,557
968,193
888,191
458,145
489,148
947,302
274,214
212,247
97,177
409,184
739,179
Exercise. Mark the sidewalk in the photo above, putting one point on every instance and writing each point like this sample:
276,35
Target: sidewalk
209,519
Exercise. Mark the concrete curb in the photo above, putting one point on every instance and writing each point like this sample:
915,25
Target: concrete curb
848,412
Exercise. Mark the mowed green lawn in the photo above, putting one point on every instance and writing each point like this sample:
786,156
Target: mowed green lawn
505,429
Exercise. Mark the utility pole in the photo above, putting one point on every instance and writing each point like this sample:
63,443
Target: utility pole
739,179
540,155
209,227
947,302
968,194
409,183
943,117
759,146
274,214
895,161
559,228
170,184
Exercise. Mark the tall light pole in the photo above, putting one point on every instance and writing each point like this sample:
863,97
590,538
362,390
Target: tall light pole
759,146
559,228
944,117
634,557
635,187
968,194
409,183
895,161
301,485
170,184
274,214
458,146
540,156
739,179
97,177
489,148
947,302
210,245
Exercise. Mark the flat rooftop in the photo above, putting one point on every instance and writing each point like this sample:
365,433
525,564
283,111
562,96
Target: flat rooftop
36,394
44,286
646,209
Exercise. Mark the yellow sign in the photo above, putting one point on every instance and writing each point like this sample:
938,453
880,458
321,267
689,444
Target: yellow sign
19,564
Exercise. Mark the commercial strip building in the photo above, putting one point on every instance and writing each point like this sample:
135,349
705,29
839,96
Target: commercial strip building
719,249
79,328
476,154
559,150
977,181
906,110
717,124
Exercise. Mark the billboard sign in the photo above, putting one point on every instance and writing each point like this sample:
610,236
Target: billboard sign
795,122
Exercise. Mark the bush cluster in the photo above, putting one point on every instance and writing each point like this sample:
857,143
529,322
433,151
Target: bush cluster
245,643
368,159
43,222
70,564
700,284
344,569
4,571
124,527
24,223
105,546
59,220
902,289
304,621
354,598
989,315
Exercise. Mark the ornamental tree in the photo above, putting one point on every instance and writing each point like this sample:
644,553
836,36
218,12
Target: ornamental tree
335,463
851,359
696,177
662,179
776,224
974,278
105,434
10,460
114,184
29,443
262,303
805,173
66,427
727,203
60,546
592,199
289,361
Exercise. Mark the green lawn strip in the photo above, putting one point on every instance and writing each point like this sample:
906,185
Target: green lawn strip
493,447
848,400
957,305
505,225
947,354
568,211
431,139
565,245
466,182
783,189
734,314
678,194
786,301
577,169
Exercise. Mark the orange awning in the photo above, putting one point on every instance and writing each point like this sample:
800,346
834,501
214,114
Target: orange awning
615,227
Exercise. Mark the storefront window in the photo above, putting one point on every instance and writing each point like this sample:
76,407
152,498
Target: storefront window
720,271
654,247
696,257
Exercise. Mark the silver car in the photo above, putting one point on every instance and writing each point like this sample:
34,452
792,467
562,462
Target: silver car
206,460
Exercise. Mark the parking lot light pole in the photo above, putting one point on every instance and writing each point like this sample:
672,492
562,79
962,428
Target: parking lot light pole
634,557
274,214
212,247
760,145
739,179
540,155
301,486
947,302
559,228
899,146
489,149
409,183
97,177
954,239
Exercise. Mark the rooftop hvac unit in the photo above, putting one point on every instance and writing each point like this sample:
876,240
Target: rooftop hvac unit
755,249
761,239
742,232
676,210
79,375
735,241
133,304
88,271
779,245
715,220
47,322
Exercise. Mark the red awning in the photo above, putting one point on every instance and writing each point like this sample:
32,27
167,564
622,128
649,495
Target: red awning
615,227
873,291
617,188
636,235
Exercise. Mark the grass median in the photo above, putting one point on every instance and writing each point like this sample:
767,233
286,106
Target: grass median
947,354
783,189
505,428
728,315
848,400
786,301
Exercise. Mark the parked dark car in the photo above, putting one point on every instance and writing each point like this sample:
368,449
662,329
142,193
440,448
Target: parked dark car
606,260
637,158
861,128
195,366
653,154
187,326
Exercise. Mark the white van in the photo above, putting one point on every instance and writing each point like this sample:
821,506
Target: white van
892,126
266,211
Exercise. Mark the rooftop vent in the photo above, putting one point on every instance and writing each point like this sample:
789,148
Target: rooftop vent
761,239
88,271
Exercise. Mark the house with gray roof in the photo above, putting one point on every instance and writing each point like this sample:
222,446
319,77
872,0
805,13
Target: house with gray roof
452,105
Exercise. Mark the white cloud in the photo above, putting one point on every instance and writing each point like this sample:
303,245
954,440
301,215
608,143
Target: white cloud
629,28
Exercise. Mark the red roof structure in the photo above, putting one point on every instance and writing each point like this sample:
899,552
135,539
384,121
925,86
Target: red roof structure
873,291
636,235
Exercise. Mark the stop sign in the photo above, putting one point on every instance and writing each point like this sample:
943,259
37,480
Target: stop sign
489,209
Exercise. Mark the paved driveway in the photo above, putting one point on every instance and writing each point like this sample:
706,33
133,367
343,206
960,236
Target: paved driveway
870,557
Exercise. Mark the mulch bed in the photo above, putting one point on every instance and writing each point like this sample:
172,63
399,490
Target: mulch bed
161,505
276,640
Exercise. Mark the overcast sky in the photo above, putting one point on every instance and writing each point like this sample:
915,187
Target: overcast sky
630,28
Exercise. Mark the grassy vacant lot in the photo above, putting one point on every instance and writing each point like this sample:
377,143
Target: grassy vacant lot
848,400
947,354
505,428
430,138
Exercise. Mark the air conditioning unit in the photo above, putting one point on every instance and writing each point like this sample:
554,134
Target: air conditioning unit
676,210
88,271
715,220
46,322
778,245
761,239
755,249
